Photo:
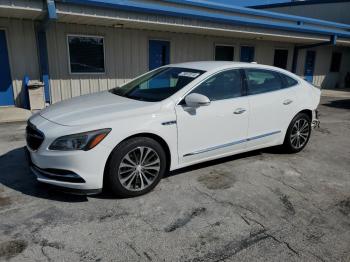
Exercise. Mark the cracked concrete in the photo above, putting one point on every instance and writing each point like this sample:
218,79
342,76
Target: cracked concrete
259,206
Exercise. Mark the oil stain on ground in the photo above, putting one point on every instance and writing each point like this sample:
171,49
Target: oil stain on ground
217,180
9,249
344,206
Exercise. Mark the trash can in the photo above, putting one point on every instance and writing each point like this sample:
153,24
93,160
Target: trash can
36,95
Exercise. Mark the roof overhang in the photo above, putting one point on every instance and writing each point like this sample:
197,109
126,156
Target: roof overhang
184,16
34,9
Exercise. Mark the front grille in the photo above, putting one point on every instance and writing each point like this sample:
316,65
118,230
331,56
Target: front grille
34,137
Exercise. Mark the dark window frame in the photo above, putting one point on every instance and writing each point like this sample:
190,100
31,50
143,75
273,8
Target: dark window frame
69,54
224,45
334,66
274,57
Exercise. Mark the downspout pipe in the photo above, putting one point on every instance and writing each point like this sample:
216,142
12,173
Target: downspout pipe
331,42
51,16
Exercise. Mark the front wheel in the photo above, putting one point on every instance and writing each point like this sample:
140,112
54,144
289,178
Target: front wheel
136,167
298,133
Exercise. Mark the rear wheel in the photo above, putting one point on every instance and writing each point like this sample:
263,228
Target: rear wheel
136,167
298,133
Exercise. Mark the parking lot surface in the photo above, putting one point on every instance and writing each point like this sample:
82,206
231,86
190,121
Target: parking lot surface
259,206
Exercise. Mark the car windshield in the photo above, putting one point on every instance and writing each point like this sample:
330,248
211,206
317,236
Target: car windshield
158,84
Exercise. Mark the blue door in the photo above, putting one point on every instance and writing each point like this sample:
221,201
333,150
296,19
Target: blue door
247,54
158,53
309,66
6,91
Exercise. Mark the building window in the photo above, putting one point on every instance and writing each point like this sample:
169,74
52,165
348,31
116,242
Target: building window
335,62
224,53
247,54
86,54
280,58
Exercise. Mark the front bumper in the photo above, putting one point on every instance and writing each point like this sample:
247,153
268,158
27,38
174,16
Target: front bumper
73,170
62,181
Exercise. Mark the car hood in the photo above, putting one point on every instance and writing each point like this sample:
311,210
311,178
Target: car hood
99,107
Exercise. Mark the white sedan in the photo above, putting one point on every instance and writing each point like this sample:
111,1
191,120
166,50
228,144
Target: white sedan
127,138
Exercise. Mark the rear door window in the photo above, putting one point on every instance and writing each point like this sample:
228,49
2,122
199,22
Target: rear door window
262,81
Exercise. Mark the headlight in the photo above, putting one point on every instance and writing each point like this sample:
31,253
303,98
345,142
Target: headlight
82,141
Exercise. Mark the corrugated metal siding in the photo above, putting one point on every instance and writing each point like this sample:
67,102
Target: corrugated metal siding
322,75
22,50
126,55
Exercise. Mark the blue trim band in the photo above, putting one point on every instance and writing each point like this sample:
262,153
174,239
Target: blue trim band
250,11
296,3
136,6
231,144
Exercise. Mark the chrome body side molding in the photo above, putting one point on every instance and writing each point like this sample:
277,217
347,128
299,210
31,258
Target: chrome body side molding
231,144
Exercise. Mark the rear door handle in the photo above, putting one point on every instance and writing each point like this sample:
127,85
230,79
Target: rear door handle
239,111
287,102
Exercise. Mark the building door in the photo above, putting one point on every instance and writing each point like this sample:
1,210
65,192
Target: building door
158,53
247,54
6,91
309,65
281,58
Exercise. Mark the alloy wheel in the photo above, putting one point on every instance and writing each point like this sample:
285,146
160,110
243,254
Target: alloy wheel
139,168
300,133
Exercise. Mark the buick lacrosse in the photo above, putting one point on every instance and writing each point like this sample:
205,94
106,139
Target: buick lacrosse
127,138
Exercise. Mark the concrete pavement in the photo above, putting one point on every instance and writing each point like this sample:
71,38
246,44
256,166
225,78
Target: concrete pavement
259,206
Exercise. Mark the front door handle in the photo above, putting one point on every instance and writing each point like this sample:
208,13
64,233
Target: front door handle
239,111
287,102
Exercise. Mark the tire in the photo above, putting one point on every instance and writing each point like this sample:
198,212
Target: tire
299,130
135,167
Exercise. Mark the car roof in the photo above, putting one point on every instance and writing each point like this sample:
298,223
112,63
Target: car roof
212,66
216,65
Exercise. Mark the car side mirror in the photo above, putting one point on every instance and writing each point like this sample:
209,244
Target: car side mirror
196,100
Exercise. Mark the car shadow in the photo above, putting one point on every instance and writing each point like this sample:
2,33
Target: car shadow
213,162
341,104
15,174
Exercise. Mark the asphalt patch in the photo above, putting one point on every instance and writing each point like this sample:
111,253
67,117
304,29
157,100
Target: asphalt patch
217,180
182,221
9,249
5,201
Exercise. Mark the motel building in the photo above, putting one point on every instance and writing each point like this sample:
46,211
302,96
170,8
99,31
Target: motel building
77,47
